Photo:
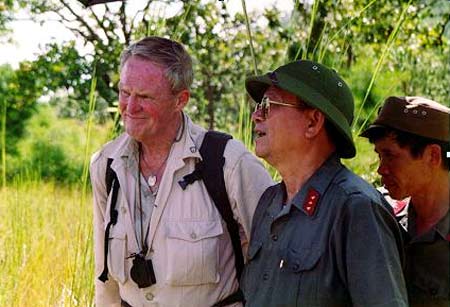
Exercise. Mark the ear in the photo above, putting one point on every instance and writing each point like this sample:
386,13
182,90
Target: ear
315,122
433,155
182,99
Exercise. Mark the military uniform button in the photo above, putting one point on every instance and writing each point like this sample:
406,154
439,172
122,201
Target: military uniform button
296,267
275,237
265,276
149,296
433,291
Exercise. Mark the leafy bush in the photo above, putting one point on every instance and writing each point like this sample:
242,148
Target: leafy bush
54,148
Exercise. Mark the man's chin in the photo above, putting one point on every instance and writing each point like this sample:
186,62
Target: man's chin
395,193
259,152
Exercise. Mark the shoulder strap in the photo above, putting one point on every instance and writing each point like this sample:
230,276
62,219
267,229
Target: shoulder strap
111,183
211,171
212,150
110,175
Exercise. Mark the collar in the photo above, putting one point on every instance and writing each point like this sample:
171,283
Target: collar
191,140
442,228
307,199
124,149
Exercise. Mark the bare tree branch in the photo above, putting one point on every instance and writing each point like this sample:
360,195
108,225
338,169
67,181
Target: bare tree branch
82,21
143,11
123,20
100,24
444,25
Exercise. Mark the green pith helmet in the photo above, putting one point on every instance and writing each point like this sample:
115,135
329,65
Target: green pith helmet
319,87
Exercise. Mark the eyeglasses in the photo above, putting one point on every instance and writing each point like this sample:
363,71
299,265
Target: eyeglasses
264,106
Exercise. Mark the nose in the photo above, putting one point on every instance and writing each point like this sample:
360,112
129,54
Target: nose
383,169
257,116
133,105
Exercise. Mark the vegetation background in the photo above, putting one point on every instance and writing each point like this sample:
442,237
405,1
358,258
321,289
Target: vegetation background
56,110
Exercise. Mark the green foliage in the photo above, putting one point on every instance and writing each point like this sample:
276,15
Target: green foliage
6,13
366,162
19,92
66,78
338,33
54,148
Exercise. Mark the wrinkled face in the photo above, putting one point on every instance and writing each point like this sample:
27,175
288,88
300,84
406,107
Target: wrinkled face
277,131
401,173
146,101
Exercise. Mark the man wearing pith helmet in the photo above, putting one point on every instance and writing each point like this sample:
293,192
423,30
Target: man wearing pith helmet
323,236
411,137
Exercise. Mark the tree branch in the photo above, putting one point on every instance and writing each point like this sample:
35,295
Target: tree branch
80,19
143,11
123,20
444,25
100,23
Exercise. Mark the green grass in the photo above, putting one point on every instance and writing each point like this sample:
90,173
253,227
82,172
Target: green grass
46,255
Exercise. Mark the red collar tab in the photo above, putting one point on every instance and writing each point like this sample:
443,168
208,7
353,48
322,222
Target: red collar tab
399,205
311,201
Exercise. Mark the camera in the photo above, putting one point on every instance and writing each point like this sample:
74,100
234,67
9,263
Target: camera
142,272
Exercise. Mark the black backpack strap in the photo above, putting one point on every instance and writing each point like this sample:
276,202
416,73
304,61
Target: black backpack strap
111,183
211,171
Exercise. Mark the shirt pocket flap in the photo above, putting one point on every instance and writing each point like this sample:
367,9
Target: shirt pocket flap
303,260
117,232
194,231
253,249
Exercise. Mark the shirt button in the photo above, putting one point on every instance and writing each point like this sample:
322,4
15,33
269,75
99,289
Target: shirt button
265,276
296,267
274,237
433,291
123,210
193,236
149,296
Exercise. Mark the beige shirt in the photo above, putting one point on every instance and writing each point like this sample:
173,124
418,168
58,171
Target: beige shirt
188,241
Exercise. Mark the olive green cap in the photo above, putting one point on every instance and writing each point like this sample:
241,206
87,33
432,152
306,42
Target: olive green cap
415,115
319,87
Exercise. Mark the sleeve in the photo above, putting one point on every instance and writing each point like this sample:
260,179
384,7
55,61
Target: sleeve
369,251
246,179
106,294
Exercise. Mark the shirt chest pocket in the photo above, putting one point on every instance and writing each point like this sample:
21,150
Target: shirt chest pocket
193,252
301,260
117,253
301,274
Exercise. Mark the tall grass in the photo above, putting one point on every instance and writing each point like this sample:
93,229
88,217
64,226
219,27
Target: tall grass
3,143
46,257
386,49
44,229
